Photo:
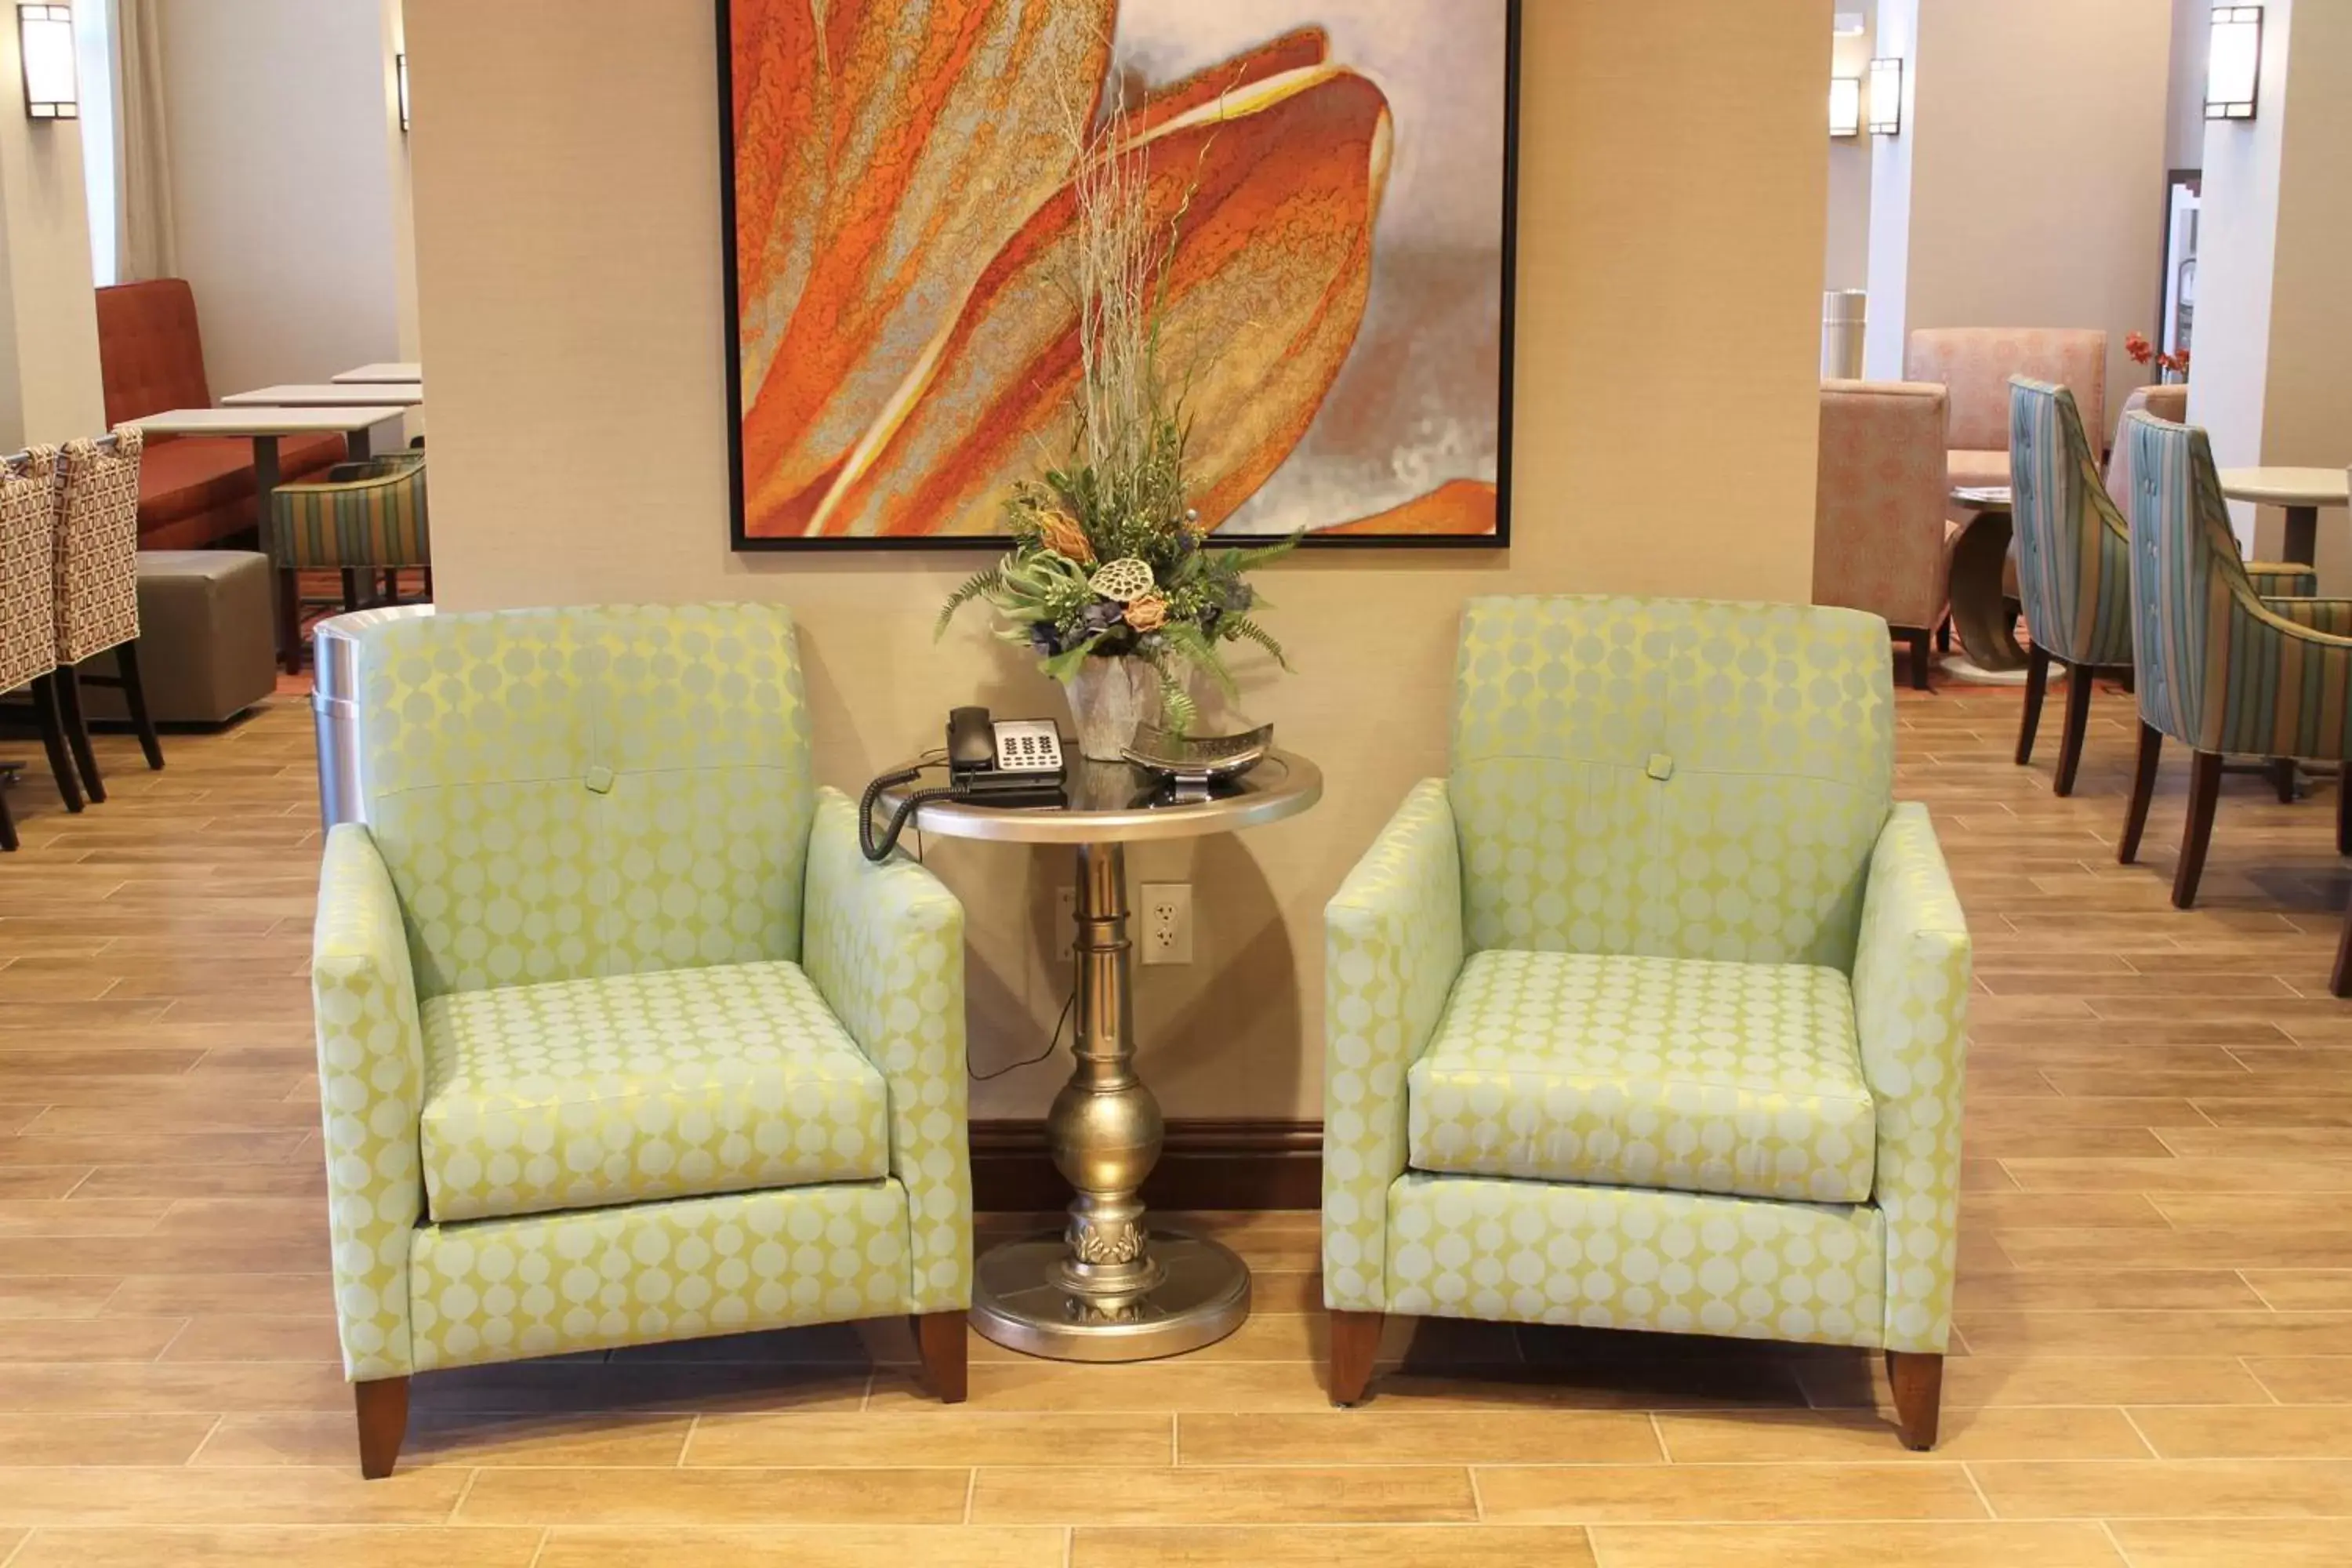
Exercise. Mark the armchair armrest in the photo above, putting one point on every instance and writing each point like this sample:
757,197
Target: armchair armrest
371,1090
1910,1003
2333,616
1391,948
883,944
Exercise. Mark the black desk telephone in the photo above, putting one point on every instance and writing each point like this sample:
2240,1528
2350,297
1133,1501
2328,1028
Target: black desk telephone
1017,763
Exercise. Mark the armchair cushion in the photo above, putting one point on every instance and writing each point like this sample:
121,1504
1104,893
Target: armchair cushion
632,1087
1694,1075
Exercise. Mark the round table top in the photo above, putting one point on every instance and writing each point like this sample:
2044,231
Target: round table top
2286,487
1119,802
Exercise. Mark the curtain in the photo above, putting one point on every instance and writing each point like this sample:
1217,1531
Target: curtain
145,243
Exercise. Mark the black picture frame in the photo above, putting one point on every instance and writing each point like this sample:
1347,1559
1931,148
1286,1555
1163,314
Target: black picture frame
1500,539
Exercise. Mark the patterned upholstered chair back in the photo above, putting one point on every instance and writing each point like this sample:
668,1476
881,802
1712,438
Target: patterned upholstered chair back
1675,777
98,546
585,792
2189,586
1878,517
2073,549
368,513
28,583
1976,364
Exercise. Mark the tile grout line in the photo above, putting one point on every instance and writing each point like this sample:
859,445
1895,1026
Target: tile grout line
1976,1486
463,1493
2140,1432
1477,1497
546,1532
693,1425
205,1441
971,1485
2107,1528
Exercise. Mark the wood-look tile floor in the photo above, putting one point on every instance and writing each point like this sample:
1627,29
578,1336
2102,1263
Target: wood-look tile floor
2153,1366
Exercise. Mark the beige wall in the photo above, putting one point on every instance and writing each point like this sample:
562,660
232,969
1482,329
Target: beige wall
48,323
285,137
2034,141
568,255
2273,317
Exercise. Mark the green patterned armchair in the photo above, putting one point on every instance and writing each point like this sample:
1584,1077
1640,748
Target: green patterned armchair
1650,1017
621,1039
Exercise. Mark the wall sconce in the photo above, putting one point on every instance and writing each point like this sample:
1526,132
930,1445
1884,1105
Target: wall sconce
47,37
1887,96
1846,106
400,68
2233,63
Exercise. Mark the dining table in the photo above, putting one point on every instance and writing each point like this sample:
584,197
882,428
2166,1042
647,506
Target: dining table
2300,492
329,395
382,371
266,427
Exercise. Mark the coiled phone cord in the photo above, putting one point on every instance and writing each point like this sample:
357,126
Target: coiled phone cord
880,849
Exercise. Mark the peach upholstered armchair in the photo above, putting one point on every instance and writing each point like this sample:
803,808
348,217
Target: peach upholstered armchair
1878,518
1975,364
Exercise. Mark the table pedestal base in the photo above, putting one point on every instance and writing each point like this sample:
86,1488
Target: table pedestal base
1201,1293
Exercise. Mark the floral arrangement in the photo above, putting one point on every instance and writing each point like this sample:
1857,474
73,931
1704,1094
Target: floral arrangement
2167,364
1109,559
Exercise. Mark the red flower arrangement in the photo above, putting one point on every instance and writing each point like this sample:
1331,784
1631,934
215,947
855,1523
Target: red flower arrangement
2142,352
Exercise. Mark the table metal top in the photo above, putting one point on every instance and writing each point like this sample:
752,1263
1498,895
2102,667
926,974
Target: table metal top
2286,487
328,395
1118,803
264,421
382,371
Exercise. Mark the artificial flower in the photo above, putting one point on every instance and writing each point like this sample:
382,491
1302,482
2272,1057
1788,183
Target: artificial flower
1148,614
1059,532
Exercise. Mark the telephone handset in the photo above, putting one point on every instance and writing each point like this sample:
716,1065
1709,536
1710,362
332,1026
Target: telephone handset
1017,763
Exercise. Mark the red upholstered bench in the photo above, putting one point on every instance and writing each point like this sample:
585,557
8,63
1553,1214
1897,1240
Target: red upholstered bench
194,490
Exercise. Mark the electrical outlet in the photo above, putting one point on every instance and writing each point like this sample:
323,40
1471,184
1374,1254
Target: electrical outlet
1167,922
1066,924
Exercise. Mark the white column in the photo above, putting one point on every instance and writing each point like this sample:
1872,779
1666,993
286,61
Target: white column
49,387
2274,324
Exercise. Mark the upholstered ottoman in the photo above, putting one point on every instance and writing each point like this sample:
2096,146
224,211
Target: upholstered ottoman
204,648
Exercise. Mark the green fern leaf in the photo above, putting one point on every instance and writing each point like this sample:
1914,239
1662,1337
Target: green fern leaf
989,580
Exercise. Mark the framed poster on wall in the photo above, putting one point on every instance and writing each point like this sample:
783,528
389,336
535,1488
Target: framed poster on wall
1339,270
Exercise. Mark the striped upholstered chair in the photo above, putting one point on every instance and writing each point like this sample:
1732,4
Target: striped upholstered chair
2073,563
364,517
2220,668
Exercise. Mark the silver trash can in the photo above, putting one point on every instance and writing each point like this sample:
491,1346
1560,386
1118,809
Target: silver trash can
1844,313
334,706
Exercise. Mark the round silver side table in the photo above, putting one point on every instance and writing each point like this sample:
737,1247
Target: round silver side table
1108,1286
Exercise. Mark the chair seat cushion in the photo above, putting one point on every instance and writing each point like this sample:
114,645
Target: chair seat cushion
1687,1075
630,1087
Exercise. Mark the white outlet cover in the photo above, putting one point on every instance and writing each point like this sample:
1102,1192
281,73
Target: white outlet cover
1165,923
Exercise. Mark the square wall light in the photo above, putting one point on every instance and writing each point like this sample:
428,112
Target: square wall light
2234,62
1846,106
400,68
47,35
1887,96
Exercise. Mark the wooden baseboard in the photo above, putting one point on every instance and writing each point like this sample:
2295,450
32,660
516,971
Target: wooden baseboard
1203,1165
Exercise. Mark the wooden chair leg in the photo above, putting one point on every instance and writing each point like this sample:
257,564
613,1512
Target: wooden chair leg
1923,652
2339,983
940,1340
2078,721
289,620
1918,1380
135,701
2282,779
2037,681
352,588
1355,1342
2151,746
2204,794
68,688
53,740
2344,813
8,823
1944,636
383,1407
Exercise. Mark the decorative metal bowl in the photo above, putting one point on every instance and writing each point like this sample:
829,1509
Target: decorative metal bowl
1197,761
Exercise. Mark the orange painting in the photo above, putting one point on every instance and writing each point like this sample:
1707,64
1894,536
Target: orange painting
1334,177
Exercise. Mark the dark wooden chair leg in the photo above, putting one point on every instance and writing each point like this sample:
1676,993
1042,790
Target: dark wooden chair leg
9,824
135,701
1923,652
2282,779
429,584
2078,721
2151,746
1918,1380
2204,794
68,688
2037,681
382,1406
1944,636
1355,1343
941,1341
2343,811
2339,983
289,620
352,588
53,740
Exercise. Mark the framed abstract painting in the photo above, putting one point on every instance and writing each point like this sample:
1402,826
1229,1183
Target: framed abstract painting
1335,181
